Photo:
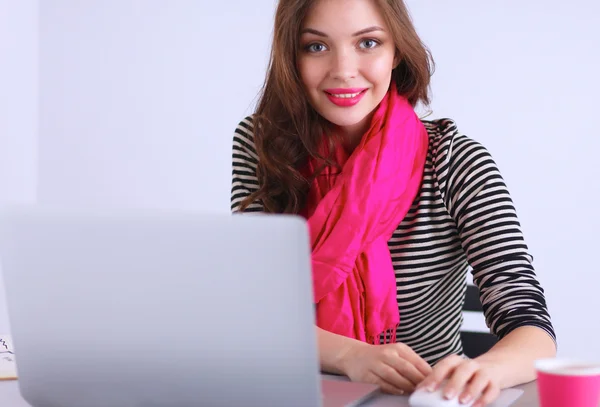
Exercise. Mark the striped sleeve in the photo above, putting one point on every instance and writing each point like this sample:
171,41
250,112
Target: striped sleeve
244,163
490,233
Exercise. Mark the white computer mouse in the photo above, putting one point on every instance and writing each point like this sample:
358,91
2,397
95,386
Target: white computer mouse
425,398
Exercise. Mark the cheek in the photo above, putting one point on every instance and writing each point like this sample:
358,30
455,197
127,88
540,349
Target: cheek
309,74
379,69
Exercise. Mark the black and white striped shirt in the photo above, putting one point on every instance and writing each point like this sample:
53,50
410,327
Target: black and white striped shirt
463,216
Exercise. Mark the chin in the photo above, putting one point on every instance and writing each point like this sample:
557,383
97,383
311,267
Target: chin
344,118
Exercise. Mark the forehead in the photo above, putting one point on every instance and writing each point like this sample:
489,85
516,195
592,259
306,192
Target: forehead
343,16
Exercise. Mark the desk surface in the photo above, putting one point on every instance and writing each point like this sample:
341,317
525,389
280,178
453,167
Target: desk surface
10,397
529,398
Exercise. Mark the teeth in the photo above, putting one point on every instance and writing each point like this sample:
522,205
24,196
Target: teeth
345,95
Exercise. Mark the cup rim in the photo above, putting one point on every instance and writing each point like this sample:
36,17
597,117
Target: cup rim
553,365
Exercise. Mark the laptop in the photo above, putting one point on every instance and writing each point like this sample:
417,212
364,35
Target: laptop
114,308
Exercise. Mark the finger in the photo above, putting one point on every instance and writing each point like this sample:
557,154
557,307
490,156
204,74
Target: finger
490,394
461,375
411,356
393,377
441,371
385,385
404,368
475,387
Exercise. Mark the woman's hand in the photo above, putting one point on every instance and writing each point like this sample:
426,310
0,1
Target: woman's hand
467,379
394,367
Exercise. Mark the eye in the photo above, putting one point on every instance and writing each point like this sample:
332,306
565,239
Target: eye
315,47
368,43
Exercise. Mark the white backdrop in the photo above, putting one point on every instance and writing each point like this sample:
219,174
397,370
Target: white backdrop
138,101
139,98
18,109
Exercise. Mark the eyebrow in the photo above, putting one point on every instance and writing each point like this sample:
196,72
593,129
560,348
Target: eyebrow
361,32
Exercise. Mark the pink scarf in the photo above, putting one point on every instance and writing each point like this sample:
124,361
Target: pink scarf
352,215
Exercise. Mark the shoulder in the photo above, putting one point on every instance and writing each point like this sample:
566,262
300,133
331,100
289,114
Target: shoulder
459,162
448,145
244,131
243,137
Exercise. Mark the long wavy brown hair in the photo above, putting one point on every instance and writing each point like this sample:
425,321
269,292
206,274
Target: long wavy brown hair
287,129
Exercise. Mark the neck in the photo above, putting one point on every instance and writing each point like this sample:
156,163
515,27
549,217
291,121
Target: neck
351,138
352,135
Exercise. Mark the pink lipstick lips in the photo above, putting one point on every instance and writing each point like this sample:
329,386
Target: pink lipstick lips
345,97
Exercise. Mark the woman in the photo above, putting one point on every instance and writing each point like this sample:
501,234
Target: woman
398,208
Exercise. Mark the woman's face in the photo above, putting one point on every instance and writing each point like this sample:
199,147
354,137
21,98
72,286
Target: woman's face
345,61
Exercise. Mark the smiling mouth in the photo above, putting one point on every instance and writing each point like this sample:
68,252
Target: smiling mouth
345,93
345,97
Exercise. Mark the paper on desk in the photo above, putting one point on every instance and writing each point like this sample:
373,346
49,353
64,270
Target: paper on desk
507,397
8,367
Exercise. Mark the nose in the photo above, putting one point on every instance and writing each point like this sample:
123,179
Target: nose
344,66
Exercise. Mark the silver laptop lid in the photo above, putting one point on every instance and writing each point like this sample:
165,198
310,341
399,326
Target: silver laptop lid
127,308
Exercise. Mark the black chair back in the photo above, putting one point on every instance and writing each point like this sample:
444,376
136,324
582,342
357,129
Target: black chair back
475,343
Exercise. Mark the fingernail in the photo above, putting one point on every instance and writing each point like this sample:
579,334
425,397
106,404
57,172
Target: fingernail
465,399
431,387
449,394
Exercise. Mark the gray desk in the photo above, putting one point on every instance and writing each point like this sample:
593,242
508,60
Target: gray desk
528,399
10,397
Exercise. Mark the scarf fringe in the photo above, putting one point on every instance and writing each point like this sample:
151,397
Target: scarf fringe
385,337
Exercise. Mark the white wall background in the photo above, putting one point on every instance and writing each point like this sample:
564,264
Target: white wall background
139,99
18,109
